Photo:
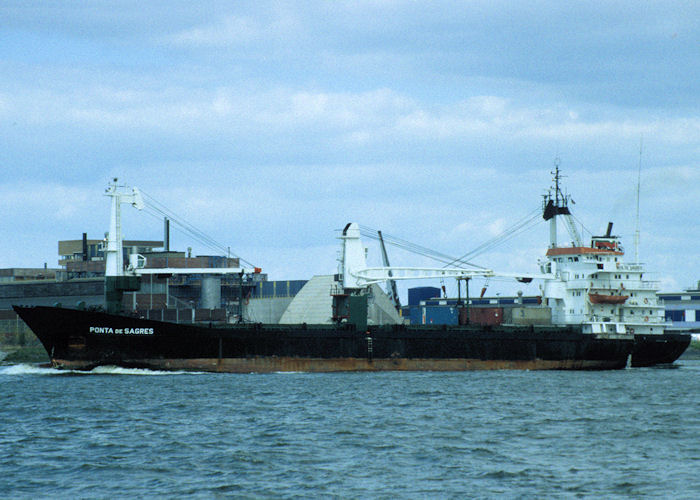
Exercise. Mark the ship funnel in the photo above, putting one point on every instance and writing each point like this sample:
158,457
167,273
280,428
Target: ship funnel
609,232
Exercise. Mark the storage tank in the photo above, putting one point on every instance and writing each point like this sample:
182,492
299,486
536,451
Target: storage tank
211,292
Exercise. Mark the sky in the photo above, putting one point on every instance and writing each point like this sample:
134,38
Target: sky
270,125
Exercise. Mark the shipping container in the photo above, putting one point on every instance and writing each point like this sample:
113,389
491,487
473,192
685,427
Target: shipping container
440,315
415,315
481,315
527,315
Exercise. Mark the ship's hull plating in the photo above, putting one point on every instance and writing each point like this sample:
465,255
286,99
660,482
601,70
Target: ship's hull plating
651,350
84,339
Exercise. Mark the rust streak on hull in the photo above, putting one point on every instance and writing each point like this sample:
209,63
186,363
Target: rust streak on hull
281,364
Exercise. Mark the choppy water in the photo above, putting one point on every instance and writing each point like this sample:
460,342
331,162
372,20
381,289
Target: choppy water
117,433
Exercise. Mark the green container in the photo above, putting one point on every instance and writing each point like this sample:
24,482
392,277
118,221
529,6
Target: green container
357,305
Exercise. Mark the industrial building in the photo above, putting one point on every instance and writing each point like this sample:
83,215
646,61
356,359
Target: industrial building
683,309
80,282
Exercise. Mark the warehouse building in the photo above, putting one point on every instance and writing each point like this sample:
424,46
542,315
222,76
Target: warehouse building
683,309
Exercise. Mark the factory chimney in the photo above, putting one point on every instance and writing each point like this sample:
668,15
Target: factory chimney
166,235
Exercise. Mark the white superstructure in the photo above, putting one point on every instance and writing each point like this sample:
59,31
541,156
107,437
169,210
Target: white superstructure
583,284
592,285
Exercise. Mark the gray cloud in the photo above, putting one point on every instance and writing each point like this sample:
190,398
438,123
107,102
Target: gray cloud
272,124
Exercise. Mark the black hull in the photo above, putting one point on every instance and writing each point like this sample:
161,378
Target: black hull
652,350
84,339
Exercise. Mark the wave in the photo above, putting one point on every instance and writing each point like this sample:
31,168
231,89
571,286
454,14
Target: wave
29,369
117,370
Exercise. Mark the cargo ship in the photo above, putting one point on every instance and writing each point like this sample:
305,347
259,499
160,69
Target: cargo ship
83,339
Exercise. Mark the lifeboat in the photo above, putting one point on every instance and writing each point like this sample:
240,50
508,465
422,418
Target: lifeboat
598,298
605,245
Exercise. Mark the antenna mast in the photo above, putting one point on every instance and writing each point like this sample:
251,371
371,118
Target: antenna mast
639,182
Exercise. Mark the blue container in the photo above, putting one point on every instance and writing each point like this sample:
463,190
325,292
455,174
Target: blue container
440,315
415,315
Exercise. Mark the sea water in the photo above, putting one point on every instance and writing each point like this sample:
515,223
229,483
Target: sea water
115,433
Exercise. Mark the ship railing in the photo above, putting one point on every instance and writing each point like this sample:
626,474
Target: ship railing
641,303
630,267
337,290
607,286
647,285
628,285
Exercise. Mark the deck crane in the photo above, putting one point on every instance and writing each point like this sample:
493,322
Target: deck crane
120,279
392,291
354,277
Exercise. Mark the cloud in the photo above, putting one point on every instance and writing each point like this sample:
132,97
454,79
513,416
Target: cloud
271,124
239,30
63,203
359,118
228,31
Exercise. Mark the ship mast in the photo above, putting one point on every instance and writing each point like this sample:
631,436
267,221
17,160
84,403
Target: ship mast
553,222
558,204
639,182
